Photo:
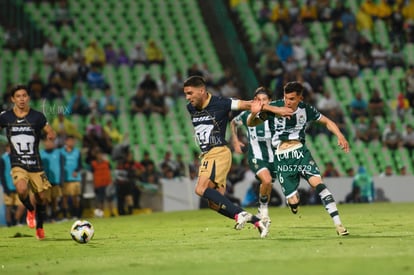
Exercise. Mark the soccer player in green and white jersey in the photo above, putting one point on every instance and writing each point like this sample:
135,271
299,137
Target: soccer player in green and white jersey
260,150
292,158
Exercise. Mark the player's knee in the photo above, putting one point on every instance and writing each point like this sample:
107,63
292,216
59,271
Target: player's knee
21,187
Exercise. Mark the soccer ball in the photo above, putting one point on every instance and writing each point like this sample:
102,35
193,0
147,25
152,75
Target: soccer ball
82,231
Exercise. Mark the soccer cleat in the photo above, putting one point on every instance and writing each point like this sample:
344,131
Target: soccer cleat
241,219
31,218
40,233
263,226
294,208
341,230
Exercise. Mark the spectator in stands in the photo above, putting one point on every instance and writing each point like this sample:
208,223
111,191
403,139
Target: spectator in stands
280,16
65,50
182,168
127,172
264,14
326,103
148,84
336,34
168,164
363,49
284,48
364,21
229,89
324,10
154,53
347,18
408,139
194,166
95,138
122,57
396,58
194,70
164,88
396,24
330,170
79,104
308,12
402,106
83,70
62,15
402,170
379,56
294,10
94,54
361,129
359,106
299,53
147,160
69,71
384,10
176,83
138,55
95,78
299,30
391,137
273,69
50,53
376,105
36,87
262,46
336,66
409,84
315,80
54,89
113,132
374,132
109,103
337,10
157,103
388,172
351,35
63,128
110,54
140,103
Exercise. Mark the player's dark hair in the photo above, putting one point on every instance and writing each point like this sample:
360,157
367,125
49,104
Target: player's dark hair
263,90
195,81
292,87
18,87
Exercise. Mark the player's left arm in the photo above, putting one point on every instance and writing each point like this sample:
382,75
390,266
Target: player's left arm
333,128
50,133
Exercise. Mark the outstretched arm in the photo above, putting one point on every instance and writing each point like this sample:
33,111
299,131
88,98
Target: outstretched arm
333,128
237,144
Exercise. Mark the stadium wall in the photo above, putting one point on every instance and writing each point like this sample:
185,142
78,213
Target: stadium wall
178,194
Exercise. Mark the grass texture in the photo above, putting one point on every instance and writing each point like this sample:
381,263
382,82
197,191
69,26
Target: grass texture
381,241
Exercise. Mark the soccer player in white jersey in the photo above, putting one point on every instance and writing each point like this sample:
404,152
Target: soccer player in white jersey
210,116
260,150
293,160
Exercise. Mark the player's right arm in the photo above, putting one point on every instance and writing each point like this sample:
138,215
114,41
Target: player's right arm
237,144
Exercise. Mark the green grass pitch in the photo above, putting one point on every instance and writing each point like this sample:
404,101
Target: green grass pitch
381,241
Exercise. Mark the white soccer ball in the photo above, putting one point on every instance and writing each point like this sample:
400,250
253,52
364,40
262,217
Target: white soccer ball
82,231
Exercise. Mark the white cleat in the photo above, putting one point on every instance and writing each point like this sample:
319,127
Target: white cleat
263,226
241,219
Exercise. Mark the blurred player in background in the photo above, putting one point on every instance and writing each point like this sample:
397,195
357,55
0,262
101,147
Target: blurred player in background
53,164
210,116
14,207
293,160
72,163
260,150
24,127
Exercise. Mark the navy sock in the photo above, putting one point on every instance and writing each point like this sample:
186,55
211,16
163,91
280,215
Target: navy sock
225,206
40,215
26,202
